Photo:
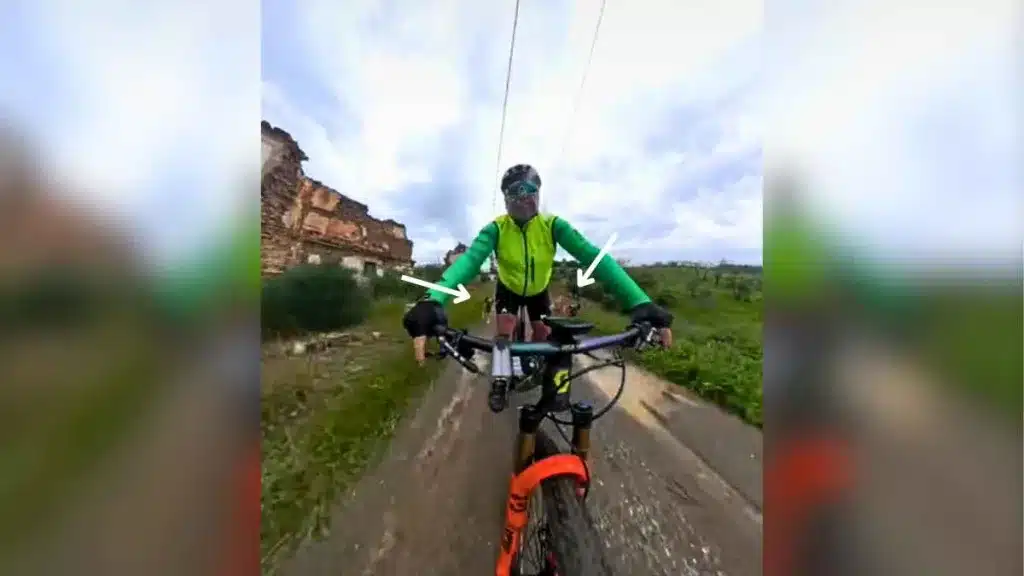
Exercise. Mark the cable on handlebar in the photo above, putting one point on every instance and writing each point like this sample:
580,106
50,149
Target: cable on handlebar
646,337
454,341
617,361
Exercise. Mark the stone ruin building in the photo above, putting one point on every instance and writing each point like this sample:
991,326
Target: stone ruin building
306,221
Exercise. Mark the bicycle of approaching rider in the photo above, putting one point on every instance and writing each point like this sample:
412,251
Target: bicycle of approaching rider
548,530
523,243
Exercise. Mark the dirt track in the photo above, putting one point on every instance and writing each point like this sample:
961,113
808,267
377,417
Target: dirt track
434,504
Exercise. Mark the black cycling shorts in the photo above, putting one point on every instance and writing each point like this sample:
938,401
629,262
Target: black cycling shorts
508,302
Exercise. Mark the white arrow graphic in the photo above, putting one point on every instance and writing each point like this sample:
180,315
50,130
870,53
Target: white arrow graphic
583,278
461,295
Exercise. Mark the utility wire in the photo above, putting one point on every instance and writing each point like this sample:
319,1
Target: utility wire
579,96
504,108
501,132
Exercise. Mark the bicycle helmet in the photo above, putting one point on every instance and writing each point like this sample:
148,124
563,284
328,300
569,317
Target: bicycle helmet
520,176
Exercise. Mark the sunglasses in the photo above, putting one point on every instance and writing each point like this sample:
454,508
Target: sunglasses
520,190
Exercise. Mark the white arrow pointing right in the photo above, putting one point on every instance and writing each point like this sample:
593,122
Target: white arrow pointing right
461,295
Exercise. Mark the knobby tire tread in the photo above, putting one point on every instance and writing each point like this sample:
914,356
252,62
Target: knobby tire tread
574,540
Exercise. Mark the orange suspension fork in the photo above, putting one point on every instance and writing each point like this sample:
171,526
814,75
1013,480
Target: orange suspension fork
527,478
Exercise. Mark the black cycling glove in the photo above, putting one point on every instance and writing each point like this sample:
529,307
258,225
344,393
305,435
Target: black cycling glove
652,314
423,318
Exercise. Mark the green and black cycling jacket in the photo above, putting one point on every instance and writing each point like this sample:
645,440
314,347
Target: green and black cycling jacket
526,257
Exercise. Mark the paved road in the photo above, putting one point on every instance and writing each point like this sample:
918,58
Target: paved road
435,504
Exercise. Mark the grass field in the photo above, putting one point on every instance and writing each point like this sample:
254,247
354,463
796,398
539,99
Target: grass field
327,415
718,348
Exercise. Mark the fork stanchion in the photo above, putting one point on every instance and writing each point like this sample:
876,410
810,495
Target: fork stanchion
582,418
529,421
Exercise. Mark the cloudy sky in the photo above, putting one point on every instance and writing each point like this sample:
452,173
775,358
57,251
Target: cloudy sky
398,104
903,117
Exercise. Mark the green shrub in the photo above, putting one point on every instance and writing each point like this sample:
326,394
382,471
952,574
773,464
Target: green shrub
723,367
666,298
694,286
390,285
429,272
311,298
609,302
741,290
593,292
275,316
645,279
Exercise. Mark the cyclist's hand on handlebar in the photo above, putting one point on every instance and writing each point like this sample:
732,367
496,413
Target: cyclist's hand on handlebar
420,322
657,317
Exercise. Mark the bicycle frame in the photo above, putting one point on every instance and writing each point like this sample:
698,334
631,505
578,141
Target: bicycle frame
528,471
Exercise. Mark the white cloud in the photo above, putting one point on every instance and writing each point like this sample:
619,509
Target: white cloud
412,72
151,95
160,93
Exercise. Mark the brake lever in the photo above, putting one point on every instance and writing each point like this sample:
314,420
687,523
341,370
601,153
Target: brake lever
649,337
449,349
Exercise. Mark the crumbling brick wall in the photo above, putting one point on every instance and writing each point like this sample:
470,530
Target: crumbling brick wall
281,176
304,219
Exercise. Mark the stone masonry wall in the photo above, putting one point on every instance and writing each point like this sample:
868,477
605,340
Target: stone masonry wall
304,220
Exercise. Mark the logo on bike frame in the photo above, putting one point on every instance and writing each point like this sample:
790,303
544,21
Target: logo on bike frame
562,381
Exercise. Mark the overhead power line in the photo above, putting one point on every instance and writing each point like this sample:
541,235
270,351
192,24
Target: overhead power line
504,108
579,96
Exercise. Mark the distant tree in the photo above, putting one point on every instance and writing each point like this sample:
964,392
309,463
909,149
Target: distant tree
645,279
693,286
666,298
741,290
430,272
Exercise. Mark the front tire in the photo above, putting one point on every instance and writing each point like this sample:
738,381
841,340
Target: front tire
572,542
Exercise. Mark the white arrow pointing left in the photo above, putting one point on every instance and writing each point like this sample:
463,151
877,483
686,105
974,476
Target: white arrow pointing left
461,295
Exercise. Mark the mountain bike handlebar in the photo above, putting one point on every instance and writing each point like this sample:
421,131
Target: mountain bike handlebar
452,341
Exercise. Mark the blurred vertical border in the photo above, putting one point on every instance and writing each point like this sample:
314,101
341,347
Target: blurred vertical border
893,368
129,288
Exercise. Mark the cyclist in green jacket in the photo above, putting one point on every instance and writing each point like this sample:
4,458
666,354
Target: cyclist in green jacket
524,243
